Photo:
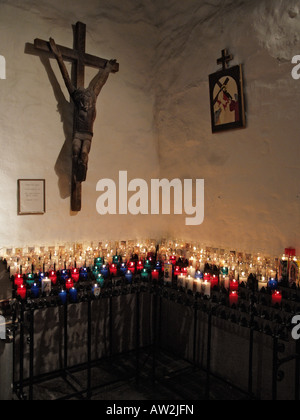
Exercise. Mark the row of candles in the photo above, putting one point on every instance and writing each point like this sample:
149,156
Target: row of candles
45,259
188,278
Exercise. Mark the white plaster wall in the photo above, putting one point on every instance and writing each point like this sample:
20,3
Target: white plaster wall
154,119
31,129
252,182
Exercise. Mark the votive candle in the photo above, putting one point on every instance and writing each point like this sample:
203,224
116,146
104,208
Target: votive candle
206,288
155,275
21,291
233,298
234,285
276,297
75,275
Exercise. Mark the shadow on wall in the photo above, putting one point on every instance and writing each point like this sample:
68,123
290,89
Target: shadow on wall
63,166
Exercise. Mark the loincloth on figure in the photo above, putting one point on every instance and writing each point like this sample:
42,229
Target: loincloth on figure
81,148
82,143
83,135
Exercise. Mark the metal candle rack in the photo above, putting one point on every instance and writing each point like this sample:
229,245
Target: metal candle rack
252,313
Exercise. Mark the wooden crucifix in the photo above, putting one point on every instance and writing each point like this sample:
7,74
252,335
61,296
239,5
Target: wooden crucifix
84,99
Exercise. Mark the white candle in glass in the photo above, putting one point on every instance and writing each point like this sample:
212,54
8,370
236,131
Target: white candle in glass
181,280
206,288
46,286
193,262
192,271
79,262
221,279
252,269
14,269
190,283
168,273
97,290
262,283
198,283
243,277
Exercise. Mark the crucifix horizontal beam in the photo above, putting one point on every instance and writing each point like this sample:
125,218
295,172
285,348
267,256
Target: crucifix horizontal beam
78,55
73,55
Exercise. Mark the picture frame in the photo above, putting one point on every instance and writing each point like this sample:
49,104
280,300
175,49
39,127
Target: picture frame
31,197
227,103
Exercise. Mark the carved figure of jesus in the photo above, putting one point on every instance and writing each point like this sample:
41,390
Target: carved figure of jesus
85,112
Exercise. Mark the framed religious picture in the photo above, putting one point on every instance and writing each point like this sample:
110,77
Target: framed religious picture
227,99
31,196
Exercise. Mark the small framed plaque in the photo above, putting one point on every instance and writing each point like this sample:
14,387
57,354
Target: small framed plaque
31,196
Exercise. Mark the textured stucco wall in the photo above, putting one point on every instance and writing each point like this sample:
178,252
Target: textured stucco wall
154,119
251,176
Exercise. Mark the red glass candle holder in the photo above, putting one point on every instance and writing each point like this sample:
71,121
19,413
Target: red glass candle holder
140,266
113,270
177,271
75,273
276,297
173,260
234,286
214,280
131,267
69,284
206,277
22,292
233,298
53,277
18,280
155,275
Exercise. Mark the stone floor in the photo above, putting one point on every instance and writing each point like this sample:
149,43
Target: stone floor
115,380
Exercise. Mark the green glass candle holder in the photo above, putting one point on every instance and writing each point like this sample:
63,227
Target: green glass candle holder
98,262
100,279
30,280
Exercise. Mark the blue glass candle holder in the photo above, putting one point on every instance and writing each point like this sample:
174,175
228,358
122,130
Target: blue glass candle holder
64,275
104,271
35,290
158,266
42,276
199,275
63,297
84,273
129,276
73,295
123,269
273,284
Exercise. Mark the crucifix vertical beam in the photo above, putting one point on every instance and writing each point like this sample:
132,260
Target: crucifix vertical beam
79,46
79,79
79,59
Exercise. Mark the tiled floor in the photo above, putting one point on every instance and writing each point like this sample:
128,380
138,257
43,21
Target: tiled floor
113,380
